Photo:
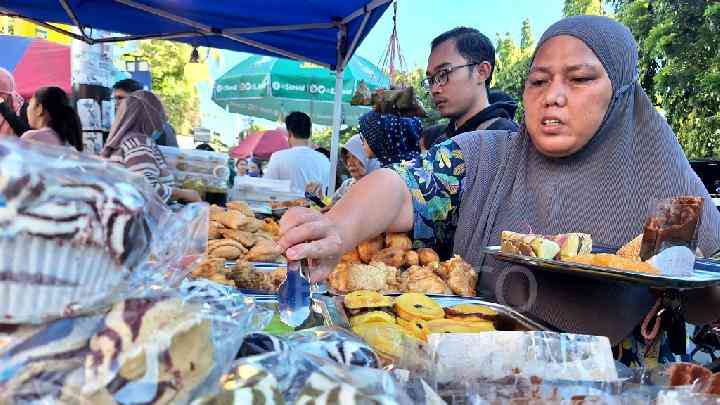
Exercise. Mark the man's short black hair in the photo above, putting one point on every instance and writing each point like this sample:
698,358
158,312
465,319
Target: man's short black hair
299,124
127,85
472,45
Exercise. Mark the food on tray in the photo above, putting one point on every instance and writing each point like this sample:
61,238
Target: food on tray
240,206
471,312
300,202
372,316
560,246
265,251
360,301
384,337
377,264
614,262
675,223
688,374
398,240
631,250
226,249
393,257
369,248
414,306
246,276
458,326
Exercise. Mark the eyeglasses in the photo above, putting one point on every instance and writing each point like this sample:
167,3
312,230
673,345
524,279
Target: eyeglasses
440,78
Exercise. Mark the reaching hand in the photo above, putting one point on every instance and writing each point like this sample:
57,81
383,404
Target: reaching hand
306,233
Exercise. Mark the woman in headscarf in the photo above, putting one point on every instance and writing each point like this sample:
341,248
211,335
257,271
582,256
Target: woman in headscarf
592,156
357,163
390,138
139,120
11,104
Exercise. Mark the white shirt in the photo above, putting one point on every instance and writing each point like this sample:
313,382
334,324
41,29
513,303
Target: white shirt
300,165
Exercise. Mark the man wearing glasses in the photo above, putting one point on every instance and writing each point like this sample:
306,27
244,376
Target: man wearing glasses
459,73
122,89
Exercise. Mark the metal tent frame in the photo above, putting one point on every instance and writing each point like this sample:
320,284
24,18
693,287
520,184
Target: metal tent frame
345,47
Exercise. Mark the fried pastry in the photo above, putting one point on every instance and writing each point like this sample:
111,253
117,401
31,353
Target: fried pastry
386,338
427,256
393,257
369,248
632,249
209,267
375,277
416,328
370,317
247,239
411,258
398,240
216,212
458,326
226,249
459,275
364,299
252,225
214,230
351,257
246,276
614,262
234,219
240,206
271,227
422,280
264,251
339,278
470,312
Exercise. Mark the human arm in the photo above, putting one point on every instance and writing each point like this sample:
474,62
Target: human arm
140,158
185,195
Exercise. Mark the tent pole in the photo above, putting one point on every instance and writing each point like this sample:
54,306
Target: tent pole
335,140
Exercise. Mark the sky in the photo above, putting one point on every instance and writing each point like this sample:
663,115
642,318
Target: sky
418,22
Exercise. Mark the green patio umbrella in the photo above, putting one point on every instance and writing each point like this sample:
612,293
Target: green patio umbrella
270,88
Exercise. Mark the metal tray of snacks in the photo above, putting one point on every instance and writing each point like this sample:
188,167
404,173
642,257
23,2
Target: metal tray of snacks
508,318
705,274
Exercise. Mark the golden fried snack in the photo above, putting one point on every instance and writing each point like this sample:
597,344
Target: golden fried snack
386,338
398,240
277,277
271,227
416,328
246,276
416,306
370,317
209,267
214,229
339,278
216,212
369,248
632,249
234,219
351,257
240,206
471,312
226,249
393,257
252,225
411,258
264,251
374,277
459,275
427,256
614,262
422,280
364,299
246,238
458,326
264,235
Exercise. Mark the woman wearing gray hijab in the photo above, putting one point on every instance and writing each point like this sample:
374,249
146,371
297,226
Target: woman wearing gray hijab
357,163
592,156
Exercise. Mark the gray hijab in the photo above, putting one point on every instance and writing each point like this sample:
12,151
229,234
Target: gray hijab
354,145
606,189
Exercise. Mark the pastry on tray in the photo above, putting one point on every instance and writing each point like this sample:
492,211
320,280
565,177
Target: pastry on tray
615,262
559,246
413,306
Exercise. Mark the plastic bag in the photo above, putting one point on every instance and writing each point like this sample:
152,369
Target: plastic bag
168,348
296,377
530,354
678,397
74,227
402,102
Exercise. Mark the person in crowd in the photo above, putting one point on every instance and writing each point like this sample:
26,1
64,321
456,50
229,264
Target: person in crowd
429,136
324,151
130,143
254,169
241,166
300,164
593,155
459,72
57,123
121,90
390,138
502,100
13,119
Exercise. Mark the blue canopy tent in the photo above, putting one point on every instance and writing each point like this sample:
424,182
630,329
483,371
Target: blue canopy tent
323,32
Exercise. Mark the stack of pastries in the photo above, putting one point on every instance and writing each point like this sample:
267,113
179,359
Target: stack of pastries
388,263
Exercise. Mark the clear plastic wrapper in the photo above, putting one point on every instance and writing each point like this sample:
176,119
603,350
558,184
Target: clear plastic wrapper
686,397
296,377
170,347
529,354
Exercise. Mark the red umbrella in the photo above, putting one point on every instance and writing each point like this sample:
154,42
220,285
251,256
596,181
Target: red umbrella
261,144
35,63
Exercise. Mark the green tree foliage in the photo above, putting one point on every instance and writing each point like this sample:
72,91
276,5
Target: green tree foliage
583,7
513,62
322,137
680,65
414,79
179,96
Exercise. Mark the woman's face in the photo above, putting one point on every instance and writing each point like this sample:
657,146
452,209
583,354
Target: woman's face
35,114
242,167
566,96
252,167
354,166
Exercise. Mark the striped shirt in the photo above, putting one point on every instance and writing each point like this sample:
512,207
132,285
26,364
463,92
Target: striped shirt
139,154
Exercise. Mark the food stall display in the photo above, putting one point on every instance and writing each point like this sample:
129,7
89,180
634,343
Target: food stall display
199,170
